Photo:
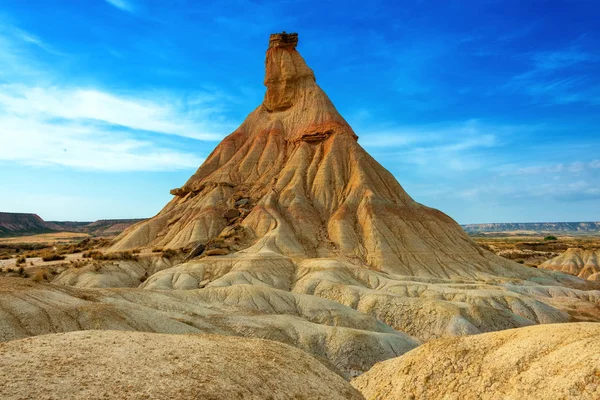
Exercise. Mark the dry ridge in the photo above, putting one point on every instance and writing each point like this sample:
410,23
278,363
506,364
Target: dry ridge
579,262
135,365
539,362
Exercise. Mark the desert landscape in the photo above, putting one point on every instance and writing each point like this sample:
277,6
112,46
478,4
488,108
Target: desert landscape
293,265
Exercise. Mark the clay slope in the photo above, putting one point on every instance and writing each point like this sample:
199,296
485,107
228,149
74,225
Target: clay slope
133,365
579,262
293,180
540,362
345,340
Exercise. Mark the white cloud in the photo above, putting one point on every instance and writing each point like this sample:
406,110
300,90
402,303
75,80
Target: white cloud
122,5
85,146
448,147
163,114
559,77
90,128
574,168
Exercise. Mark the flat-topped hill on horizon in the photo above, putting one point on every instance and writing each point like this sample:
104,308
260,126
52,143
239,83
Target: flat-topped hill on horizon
23,224
583,227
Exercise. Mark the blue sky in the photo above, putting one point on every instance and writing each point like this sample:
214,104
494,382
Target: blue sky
487,110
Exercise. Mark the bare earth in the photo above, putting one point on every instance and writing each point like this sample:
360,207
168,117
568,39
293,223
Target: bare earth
539,362
135,365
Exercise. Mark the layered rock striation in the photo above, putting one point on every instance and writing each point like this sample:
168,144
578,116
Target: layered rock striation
579,262
309,190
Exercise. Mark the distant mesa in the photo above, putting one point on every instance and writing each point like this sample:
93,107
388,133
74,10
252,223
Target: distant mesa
535,228
23,224
17,224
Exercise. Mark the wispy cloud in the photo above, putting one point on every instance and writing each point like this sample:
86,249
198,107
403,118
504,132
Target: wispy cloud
559,77
11,33
164,114
91,128
574,167
562,191
448,147
86,146
122,5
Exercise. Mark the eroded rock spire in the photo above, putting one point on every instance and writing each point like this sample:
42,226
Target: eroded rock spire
286,72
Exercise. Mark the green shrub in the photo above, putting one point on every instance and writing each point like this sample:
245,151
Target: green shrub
550,238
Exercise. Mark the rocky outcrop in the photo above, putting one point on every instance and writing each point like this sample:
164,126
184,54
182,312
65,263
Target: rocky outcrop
539,362
579,262
313,193
134,365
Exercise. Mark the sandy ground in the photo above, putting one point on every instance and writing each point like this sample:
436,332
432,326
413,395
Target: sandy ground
50,238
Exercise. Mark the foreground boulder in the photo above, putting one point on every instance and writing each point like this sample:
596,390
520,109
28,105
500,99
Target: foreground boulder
538,362
134,365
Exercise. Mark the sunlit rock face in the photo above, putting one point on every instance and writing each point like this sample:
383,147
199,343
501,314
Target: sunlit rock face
579,262
538,362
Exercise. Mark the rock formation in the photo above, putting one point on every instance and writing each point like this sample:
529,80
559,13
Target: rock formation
134,365
579,262
292,180
295,234
539,362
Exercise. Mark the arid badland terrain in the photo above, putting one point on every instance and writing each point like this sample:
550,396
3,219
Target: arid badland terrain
293,265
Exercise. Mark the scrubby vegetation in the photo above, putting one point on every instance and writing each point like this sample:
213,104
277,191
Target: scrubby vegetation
53,257
550,238
43,250
119,255
170,253
40,275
